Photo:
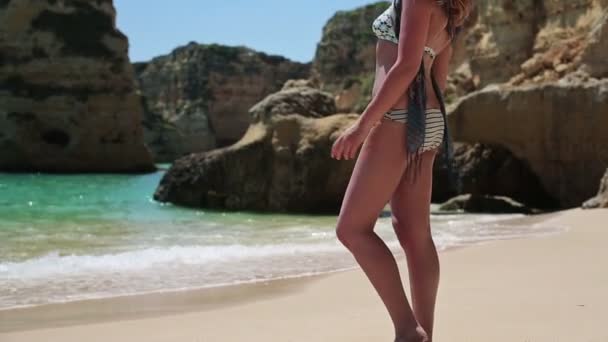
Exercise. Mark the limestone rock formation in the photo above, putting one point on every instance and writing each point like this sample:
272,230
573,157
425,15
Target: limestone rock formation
530,125
485,204
282,163
593,57
558,129
201,92
528,41
497,39
548,112
345,56
500,37
304,82
67,92
162,137
308,101
601,199
490,169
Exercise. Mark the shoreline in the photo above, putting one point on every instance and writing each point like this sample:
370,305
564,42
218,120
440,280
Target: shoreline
148,305
175,302
341,264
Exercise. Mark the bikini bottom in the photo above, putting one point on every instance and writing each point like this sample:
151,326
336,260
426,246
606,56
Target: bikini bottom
434,125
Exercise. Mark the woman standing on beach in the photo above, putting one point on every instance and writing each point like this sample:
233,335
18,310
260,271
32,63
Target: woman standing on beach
401,131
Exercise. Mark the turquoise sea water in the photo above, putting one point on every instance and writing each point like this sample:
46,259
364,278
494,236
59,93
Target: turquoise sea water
71,237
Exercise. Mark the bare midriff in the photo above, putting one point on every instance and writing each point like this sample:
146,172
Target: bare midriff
386,55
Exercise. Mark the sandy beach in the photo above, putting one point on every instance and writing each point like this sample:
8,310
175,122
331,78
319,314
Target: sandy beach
550,288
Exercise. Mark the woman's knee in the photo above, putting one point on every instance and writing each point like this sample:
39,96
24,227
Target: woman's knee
350,235
411,232
342,234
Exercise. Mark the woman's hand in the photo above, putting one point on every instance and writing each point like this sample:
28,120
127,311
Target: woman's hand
347,144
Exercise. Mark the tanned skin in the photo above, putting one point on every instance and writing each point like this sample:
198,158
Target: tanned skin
379,175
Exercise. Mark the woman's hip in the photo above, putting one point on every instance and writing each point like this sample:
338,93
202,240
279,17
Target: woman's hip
434,125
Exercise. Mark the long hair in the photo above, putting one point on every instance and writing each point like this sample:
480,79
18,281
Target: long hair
457,12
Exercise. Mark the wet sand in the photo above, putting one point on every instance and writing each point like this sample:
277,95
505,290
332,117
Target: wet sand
549,288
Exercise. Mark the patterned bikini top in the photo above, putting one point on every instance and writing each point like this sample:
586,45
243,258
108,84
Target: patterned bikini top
386,27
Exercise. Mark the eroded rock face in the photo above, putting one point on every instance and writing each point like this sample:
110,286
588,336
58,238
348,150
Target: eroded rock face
558,129
309,101
280,165
594,57
553,97
497,39
534,133
601,199
490,169
204,92
501,38
345,58
484,204
67,91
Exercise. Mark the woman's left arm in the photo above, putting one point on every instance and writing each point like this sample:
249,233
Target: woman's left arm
416,17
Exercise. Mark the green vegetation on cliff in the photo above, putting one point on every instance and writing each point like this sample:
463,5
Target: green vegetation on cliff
347,46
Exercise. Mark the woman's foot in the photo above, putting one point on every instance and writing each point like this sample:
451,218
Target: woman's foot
419,335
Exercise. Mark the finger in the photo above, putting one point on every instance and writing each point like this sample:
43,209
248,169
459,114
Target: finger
351,147
336,149
341,148
351,151
348,150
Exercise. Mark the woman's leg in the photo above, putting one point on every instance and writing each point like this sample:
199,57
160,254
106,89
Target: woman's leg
410,207
377,171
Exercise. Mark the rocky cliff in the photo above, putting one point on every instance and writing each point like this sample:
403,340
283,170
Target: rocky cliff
601,199
491,169
551,59
345,57
282,163
547,104
502,36
200,94
67,92
528,92
557,129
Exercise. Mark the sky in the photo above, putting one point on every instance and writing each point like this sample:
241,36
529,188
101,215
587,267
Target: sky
291,28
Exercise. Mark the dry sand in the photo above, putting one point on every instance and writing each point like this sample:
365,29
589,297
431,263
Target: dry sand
551,288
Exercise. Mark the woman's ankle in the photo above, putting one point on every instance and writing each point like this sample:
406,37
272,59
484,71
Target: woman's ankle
417,335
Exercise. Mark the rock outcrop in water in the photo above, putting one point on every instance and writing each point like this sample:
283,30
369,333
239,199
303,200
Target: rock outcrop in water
197,96
67,91
282,163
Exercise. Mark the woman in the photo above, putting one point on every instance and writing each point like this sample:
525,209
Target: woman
414,41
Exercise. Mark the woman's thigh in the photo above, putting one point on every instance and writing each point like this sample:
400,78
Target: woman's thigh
378,169
410,202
